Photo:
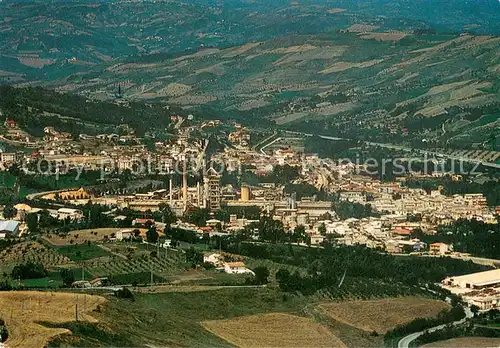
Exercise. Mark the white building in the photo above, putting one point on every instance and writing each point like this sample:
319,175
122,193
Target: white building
475,280
72,214
237,268
124,234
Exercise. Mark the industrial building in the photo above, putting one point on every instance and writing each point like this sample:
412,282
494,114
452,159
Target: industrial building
473,281
9,228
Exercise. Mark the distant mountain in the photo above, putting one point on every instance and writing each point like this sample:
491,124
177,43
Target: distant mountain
365,68
44,40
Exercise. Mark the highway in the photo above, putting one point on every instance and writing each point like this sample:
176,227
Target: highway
405,341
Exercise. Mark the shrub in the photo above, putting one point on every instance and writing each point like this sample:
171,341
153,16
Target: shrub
4,334
124,293
29,270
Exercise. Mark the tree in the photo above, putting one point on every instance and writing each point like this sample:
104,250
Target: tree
271,230
194,257
67,277
299,235
32,222
198,217
282,275
167,215
152,234
474,309
29,270
9,212
4,334
124,293
322,229
261,275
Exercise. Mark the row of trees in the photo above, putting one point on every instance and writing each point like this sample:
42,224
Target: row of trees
446,316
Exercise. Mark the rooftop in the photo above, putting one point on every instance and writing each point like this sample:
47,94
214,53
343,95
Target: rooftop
480,278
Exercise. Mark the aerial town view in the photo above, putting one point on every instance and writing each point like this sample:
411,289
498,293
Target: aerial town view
311,173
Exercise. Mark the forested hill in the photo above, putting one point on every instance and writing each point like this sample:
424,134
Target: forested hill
36,108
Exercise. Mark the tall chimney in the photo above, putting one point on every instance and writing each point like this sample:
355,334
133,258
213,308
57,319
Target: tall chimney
170,188
198,198
184,183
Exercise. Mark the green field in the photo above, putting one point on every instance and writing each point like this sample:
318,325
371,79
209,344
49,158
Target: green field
139,278
54,280
82,252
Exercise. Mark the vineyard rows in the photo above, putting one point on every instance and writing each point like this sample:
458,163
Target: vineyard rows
121,266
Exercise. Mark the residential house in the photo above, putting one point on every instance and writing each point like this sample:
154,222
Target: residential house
124,234
215,259
236,268
439,248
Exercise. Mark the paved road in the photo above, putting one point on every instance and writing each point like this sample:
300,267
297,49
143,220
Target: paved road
405,341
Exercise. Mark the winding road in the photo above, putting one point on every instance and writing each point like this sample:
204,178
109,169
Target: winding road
405,341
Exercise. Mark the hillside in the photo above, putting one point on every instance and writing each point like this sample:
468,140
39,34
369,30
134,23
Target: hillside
382,71
35,108
43,40
442,88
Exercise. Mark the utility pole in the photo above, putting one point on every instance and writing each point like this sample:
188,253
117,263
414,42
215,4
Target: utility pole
76,309
151,272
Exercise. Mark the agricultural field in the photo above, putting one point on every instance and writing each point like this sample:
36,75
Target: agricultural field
24,310
81,236
175,318
466,342
267,329
119,266
31,251
54,279
185,315
82,252
385,314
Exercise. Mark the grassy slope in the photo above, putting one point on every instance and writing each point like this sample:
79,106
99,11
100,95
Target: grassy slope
172,319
